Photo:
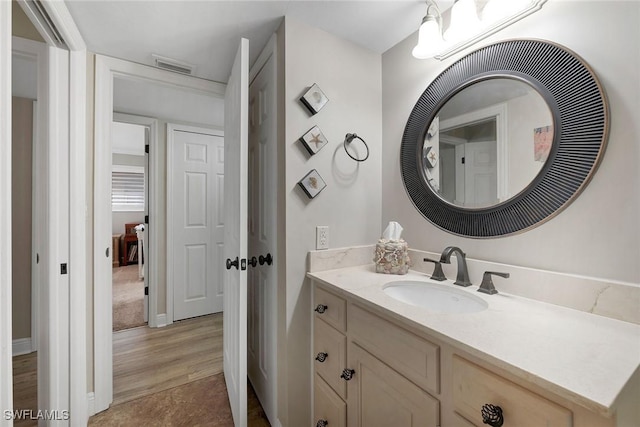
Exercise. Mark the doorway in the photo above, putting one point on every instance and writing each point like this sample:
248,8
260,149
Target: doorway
115,76
129,204
29,222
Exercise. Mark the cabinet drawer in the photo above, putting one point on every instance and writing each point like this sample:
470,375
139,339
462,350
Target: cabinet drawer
327,405
409,354
474,386
334,344
335,313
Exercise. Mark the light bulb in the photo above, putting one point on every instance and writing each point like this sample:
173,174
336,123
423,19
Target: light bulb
464,20
429,39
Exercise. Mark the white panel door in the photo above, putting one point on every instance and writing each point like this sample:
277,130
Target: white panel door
262,273
196,225
236,129
481,174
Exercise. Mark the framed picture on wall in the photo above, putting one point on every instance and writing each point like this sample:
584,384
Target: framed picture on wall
542,140
313,140
314,99
312,184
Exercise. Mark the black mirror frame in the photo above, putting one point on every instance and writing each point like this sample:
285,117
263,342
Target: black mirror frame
581,127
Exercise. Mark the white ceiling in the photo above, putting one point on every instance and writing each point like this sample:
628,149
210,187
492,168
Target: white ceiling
206,33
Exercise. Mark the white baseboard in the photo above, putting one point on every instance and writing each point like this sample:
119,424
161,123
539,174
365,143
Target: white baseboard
161,320
91,404
22,346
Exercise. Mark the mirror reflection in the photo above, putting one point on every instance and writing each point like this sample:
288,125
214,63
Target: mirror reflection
487,143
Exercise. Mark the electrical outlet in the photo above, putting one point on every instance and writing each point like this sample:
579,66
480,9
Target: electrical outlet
322,237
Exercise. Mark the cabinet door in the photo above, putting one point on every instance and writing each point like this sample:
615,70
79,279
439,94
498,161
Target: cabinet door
328,408
379,396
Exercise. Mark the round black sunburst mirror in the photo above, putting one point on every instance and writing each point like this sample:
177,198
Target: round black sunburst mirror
565,147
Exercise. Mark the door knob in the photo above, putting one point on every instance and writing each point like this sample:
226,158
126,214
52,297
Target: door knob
233,263
268,259
253,262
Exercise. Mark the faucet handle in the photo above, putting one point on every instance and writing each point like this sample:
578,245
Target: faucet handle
487,283
437,274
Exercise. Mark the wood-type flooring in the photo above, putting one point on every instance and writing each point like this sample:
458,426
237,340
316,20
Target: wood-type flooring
169,376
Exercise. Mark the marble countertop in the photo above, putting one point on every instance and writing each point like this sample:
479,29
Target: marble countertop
582,357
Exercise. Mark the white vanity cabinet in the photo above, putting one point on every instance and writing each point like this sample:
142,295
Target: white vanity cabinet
397,375
350,369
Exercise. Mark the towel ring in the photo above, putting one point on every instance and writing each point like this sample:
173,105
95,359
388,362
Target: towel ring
347,140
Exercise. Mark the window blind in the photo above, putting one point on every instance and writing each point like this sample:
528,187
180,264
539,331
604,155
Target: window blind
127,191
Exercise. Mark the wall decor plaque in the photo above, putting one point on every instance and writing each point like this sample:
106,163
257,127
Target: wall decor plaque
314,99
312,184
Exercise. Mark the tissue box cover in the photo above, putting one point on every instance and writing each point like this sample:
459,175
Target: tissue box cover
392,257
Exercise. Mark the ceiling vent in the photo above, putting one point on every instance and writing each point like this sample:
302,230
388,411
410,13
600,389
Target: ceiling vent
172,65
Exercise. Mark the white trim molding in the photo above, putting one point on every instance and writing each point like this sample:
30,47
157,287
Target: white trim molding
22,346
161,321
106,69
56,367
79,218
6,370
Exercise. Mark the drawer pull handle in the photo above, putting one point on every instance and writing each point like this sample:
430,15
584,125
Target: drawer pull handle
347,374
492,415
321,308
321,357
322,423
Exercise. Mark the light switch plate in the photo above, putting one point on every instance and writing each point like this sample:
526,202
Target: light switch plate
322,237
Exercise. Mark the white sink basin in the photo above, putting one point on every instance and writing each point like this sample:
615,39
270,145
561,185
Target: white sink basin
438,298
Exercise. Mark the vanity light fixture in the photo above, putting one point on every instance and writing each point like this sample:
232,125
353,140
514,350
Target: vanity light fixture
464,21
430,34
465,26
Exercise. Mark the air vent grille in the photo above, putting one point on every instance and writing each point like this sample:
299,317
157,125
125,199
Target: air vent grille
173,65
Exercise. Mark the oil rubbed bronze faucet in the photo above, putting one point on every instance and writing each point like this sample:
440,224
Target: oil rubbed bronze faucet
462,279
487,286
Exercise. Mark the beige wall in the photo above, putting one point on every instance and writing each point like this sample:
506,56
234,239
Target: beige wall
21,26
21,170
350,76
597,235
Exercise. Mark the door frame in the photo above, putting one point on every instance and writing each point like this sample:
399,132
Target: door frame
151,274
172,127
37,51
64,366
6,368
270,53
106,69
499,112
